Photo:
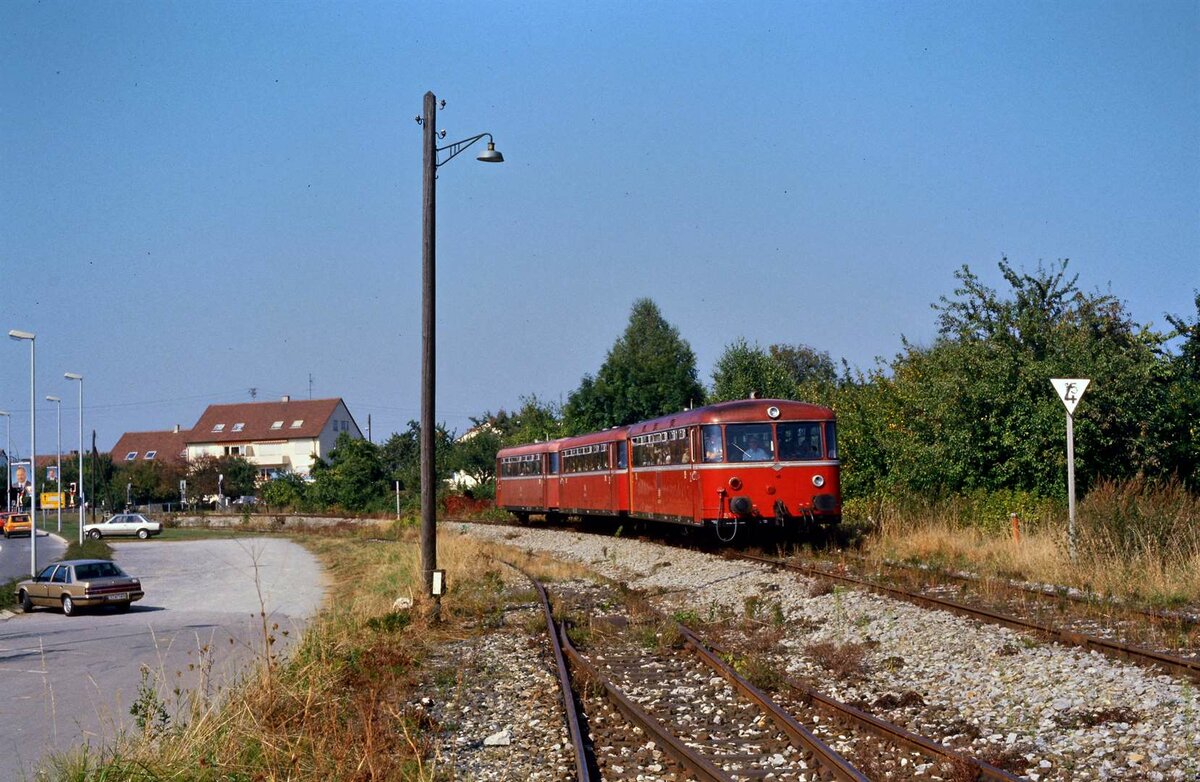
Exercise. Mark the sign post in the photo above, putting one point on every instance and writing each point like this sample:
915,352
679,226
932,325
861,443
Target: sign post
1070,390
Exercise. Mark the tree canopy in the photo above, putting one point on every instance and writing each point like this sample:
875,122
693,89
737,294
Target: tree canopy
649,371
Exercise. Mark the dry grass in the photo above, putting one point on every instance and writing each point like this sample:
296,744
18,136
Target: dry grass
341,706
1136,541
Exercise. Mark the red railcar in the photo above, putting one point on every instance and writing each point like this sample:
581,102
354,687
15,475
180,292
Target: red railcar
746,462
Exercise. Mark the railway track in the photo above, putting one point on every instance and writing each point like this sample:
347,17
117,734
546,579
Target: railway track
677,709
1176,633
1179,666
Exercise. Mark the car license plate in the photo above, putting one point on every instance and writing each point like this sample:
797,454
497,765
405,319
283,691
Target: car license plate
119,596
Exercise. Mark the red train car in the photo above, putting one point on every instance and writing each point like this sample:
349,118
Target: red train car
746,462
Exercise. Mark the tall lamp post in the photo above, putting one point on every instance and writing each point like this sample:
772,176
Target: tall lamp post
31,338
58,459
75,376
428,464
8,459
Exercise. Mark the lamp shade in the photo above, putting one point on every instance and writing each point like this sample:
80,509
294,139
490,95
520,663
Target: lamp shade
491,155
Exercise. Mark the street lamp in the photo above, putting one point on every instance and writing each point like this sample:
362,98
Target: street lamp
58,462
32,339
75,376
428,471
7,459
220,496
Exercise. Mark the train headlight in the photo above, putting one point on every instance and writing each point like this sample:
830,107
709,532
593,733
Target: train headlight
735,483
818,481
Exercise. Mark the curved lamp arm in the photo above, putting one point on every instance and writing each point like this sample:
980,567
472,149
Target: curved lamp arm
490,156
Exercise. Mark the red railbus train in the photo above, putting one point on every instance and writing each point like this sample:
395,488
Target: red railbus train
749,462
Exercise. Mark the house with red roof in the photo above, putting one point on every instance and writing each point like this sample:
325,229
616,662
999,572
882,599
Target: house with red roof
287,435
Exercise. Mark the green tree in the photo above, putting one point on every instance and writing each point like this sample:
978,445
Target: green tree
286,490
805,365
354,478
401,456
235,475
649,371
976,409
743,369
476,455
1177,427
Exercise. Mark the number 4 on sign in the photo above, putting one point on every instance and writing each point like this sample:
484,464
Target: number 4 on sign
1069,391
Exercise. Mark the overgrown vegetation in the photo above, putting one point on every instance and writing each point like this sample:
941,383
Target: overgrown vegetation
338,708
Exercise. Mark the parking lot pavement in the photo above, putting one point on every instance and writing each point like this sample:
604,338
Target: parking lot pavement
71,680
14,554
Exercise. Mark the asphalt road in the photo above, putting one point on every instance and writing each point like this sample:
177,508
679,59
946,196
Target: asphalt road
67,681
14,554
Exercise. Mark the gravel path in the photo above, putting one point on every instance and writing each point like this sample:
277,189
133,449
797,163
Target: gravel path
1047,712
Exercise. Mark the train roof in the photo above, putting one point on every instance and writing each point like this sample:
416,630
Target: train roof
738,411
733,412
546,446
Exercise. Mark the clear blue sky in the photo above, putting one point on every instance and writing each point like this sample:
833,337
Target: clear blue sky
201,198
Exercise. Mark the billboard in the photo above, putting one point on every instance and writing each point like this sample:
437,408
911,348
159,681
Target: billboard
19,475
52,474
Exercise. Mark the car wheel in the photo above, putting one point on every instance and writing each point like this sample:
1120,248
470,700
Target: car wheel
26,603
143,533
5,533
68,605
94,534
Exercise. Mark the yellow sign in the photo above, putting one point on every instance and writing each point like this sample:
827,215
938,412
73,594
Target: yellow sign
51,500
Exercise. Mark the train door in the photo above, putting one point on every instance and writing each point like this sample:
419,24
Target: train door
551,494
694,484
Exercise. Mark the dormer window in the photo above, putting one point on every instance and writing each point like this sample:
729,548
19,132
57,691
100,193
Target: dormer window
299,422
218,427
129,457
239,426
150,455
277,425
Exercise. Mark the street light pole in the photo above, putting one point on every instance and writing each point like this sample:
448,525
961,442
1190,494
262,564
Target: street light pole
430,164
79,483
32,339
58,460
7,459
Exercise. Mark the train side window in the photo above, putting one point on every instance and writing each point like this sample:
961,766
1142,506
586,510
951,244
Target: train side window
714,449
554,464
831,440
622,455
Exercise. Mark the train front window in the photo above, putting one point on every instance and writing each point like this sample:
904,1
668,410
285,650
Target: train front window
750,442
714,450
800,441
831,439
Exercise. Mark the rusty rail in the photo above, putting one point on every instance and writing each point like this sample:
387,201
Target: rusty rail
696,764
1137,654
882,728
583,770
824,755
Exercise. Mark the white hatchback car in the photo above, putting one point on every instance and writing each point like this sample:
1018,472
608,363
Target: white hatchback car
124,524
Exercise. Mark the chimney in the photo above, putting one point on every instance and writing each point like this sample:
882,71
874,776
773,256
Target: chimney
176,428
286,398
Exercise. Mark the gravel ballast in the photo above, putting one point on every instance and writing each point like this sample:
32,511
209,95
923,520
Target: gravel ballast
1048,712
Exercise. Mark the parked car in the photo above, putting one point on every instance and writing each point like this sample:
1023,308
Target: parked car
78,583
246,501
124,524
14,523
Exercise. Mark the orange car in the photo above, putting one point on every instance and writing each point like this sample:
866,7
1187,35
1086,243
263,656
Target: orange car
15,522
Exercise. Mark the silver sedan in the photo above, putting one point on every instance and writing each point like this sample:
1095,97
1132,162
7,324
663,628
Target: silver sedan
124,524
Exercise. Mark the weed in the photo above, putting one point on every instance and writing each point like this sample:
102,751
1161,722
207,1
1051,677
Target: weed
843,660
148,711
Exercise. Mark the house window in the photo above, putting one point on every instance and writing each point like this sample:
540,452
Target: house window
299,422
238,427
150,455
218,427
129,457
277,425
233,450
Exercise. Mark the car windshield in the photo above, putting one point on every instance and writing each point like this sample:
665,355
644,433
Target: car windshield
97,570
